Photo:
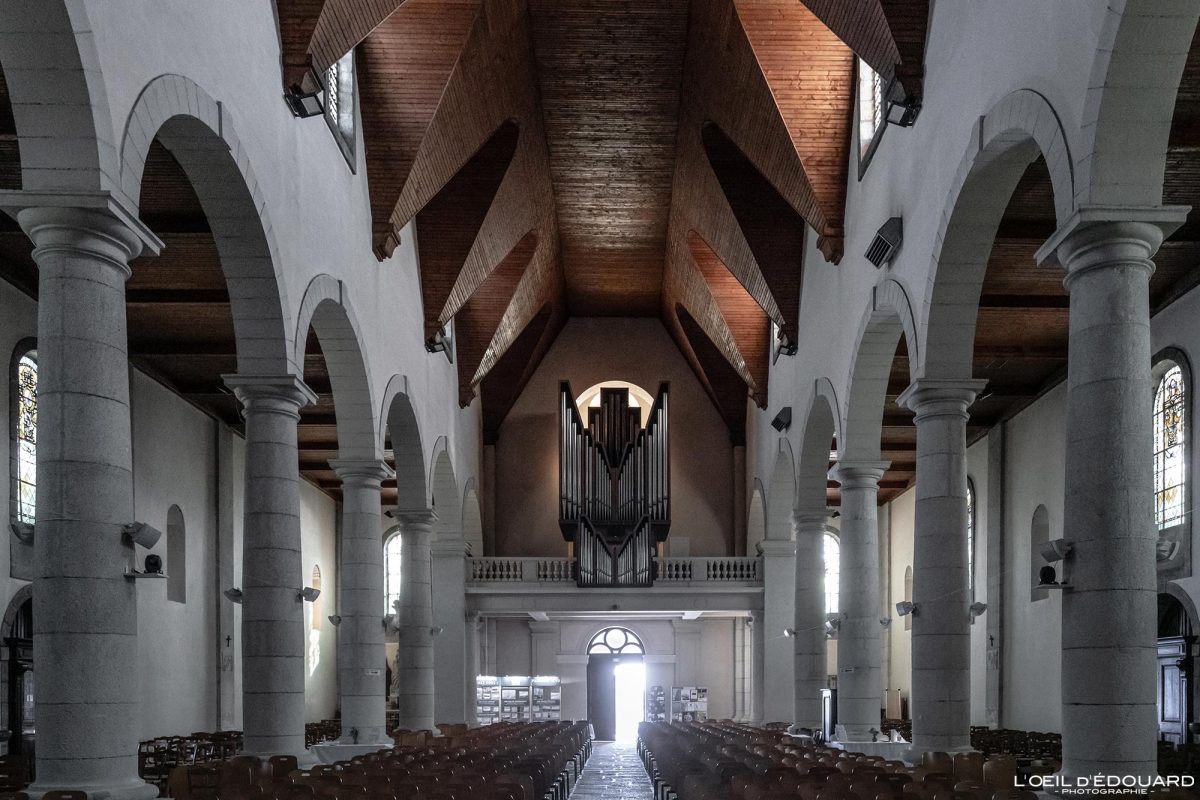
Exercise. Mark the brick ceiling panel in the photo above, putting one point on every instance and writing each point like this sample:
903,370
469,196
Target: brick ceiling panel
402,71
609,72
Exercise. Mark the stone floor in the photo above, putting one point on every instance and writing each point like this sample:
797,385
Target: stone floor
614,772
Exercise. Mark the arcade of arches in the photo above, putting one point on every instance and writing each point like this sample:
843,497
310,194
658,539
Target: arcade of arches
387,366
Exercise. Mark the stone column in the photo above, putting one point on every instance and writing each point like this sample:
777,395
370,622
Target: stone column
361,650
1108,632
739,670
941,633
808,643
859,698
414,660
779,600
544,644
754,641
85,628
273,630
448,568
474,662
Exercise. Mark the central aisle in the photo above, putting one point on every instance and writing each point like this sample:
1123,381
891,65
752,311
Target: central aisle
614,772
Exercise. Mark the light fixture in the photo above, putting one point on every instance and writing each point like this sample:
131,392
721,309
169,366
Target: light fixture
905,607
23,531
309,594
307,102
886,242
441,342
902,108
233,595
435,631
1056,550
1048,577
154,564
142,534
976,609
783,420
784,344
885,621
334,619
790,633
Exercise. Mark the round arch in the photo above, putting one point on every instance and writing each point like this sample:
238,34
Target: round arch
399,421
818,439
445,498
756,521
888,317
54,76
199,133
327,311
781,494
472,518
1003,144
1136,72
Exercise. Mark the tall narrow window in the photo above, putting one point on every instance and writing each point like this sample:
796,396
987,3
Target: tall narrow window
339,103
314,633
833,572
908,580
971,539
176,556
1169,439
23,386
870,106
391,566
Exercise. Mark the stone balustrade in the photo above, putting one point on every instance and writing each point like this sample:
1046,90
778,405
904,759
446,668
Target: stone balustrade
562,570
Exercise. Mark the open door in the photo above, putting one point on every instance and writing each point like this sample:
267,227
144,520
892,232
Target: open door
602,695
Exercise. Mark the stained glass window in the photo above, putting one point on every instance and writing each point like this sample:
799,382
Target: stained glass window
391,567
615,640
833,572
971,538
1169,438
26,437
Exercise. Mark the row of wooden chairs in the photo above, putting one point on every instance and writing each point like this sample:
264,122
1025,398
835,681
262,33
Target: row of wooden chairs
514,761
728,761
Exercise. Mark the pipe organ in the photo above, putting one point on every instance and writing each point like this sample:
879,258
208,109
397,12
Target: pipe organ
614,486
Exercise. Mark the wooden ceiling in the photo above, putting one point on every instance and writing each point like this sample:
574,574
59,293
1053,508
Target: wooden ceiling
556,158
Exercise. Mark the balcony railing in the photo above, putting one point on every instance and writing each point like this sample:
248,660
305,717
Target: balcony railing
721,570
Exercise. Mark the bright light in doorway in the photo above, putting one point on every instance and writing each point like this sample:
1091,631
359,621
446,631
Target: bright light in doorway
631,699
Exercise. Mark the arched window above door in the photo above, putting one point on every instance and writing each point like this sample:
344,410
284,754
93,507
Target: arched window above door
616,640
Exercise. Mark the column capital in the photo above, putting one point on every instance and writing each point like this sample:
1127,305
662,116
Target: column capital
859,474
1096,235
365,471
930,397
413,517
286,393
450,548
810,520
776,548
94,223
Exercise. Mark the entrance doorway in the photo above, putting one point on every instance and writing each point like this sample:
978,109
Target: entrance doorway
616,684
1175,640
19,644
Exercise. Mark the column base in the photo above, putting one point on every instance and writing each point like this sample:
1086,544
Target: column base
329,752
892,751
134,789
